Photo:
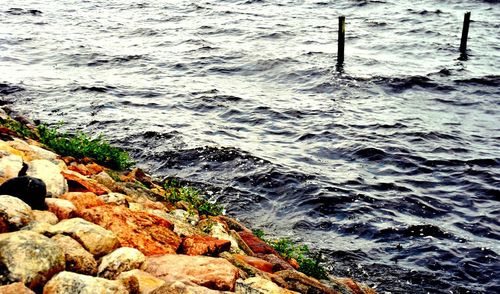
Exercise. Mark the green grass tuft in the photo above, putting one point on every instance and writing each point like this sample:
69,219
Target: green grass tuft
174,192
21,129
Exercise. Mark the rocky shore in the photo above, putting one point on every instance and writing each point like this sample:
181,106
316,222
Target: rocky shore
70,225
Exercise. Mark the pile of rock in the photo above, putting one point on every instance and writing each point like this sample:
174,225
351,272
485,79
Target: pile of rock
67,227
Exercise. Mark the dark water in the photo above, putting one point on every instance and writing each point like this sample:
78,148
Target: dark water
390,168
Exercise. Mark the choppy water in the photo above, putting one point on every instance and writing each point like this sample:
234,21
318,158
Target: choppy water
390,168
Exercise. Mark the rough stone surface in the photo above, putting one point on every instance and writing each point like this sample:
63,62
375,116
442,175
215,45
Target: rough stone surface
10,165
220,231
299,282
210,272
184,287
30,190
92,237
203,245
77,258
62,208
121,260
50,174
83,200
30,258
150,234
278,263
44,216
16,288
181,227
256,245
14,212
115,198
68,282
258,285
146,282
37,227
256,262
90,184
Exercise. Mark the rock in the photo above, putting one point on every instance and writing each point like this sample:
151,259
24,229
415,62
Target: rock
44,216
32,151
92,237
68,282
181,226
256,245
150,234
83,200
14,212
115,198
184,287
258,285
121,260
145,281
106,180
89,184
299,282
256,262
192,218
220,231
210,272
10,166
279,264
203,245
30,190
86,170
77,258
62,208
16,288
50,174
30,258
355,287
38,227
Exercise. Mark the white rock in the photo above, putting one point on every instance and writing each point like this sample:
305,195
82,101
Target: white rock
68,282
10,165
121,260
50,174
15,212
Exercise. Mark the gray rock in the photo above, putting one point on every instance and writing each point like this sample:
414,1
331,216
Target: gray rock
14,212
30,258
77,258
50,174
93,238
121,260
68,282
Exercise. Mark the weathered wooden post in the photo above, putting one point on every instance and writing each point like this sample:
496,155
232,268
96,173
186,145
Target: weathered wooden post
465,34
341,42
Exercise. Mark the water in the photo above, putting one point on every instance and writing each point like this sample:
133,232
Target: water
390,167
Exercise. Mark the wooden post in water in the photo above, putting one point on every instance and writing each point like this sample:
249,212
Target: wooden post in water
340,51
465,34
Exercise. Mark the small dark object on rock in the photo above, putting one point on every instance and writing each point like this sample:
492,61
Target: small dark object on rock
30,190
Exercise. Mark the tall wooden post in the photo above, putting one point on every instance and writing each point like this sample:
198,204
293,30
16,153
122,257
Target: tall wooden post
465,34
341,42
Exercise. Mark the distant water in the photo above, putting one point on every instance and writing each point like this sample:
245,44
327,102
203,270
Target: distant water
390,168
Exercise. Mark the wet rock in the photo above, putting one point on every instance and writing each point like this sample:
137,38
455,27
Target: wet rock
299,282
30,190
30,258
184,287
203,245
10,165
62,208
210,272
44,216
83,200
50,174
77,258
14,212
148,233
115,198
121,260
256,245
92,237
68,282
255,262
16,288
145,281
279,264
258,285
89,184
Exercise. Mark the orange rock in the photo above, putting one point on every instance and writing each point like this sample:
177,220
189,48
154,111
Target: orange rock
16,288
79,168
350,284
83,200
293,262
146,232
278,263
203,245
90,184
62,208
256,262
256,245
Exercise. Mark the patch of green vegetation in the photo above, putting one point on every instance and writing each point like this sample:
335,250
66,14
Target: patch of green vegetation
114,175
81,145
174,192
309,264
19,128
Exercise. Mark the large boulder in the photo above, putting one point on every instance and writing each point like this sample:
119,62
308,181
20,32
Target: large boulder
44,216
88,184
14,213
121,260
203,245
93,238
10,166
184,287
210,272
83,200
50,174
78,259
68,282
146,282
150,234
31,190
62,208
30,258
